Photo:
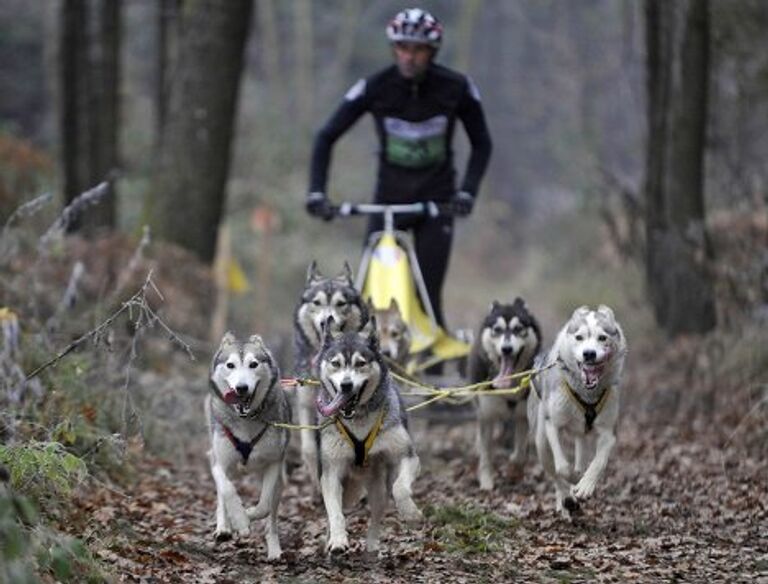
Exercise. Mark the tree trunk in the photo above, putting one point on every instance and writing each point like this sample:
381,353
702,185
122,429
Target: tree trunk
71,55
167,49
465,31
90,76
106,116
679,286
304,85
194,158
270,53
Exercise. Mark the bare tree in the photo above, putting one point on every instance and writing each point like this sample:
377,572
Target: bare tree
188,194
680,289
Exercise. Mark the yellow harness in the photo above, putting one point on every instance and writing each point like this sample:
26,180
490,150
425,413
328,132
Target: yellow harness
591,411
362,447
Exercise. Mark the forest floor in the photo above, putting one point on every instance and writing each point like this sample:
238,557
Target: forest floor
684,498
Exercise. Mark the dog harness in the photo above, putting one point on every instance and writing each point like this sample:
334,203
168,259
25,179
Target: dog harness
591,410
362,447
244,448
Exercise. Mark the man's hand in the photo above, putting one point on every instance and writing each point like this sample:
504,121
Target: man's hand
318,205
462,203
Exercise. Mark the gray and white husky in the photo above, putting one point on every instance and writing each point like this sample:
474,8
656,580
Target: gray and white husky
366,445
245,399
579,397
325,302
507,342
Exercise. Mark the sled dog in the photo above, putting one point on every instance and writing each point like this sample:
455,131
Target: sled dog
579,397
507,342
365,444
245,398
394,334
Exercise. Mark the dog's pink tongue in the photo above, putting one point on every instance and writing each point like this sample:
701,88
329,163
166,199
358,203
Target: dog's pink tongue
329,409
591,375
506,368
230,396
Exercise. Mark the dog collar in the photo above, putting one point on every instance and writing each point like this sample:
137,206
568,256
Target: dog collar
362,447
590,410
244,448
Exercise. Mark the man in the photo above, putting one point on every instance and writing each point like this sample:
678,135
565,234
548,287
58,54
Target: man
415,104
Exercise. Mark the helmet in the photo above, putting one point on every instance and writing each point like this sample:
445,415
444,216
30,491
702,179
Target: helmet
415,25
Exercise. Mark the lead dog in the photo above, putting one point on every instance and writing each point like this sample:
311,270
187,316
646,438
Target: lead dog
245,399
365,444
580,396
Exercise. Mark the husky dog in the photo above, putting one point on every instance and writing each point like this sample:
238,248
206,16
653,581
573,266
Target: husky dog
325,302
245,399
507,342
394,334
579,397
366,444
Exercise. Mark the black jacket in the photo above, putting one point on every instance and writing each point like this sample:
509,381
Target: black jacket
415,121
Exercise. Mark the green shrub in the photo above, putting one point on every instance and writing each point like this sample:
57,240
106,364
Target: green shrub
42,470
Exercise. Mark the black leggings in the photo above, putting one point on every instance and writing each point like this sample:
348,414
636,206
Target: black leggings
432,239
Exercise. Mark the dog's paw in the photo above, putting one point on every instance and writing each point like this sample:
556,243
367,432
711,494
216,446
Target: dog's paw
255,512
486,480
222,535
241,525
564,470
337,544
410,513
274,555
583,490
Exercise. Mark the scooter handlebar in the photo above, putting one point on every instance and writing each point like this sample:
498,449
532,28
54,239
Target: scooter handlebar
428,208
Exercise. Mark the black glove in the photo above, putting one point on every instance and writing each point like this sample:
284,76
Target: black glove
318,205
462,203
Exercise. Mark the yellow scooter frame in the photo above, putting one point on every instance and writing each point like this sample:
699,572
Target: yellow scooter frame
389,270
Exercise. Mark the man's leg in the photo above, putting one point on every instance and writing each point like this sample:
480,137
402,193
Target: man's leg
432,240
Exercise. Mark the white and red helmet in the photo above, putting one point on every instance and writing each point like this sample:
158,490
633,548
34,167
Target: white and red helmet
414,25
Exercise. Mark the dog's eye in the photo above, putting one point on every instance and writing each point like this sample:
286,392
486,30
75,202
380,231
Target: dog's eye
523,332
360,364
335,363
317,303
253,364
341,303
602,338
497,330
579,337
230,365
395,335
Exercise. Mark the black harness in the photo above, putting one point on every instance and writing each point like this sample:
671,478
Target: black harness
244,448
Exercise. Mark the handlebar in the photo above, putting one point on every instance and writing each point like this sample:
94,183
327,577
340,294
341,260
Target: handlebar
429,208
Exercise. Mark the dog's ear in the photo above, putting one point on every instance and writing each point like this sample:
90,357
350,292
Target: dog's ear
394,307
228,339
370,334
495,305
577,318
313,274
328,335
345,276
257,340
607,320
607,312
520,304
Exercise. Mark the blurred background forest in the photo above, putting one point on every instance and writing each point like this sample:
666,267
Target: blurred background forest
564,89
630,140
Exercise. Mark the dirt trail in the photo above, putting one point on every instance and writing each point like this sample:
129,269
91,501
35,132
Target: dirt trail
673,507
